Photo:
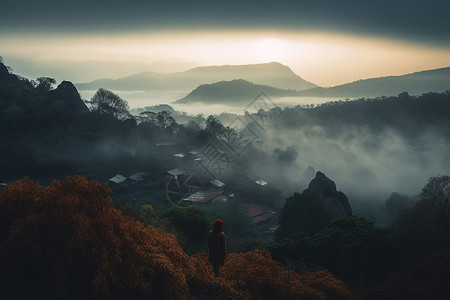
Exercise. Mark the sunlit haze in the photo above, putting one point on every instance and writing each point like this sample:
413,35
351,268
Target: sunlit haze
324,58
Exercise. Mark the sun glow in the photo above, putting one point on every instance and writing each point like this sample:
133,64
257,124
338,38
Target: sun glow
323,58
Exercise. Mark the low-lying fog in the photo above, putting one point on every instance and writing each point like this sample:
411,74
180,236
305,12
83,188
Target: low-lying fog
138,99
366,166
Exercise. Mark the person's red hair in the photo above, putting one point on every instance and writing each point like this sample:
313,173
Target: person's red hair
218,226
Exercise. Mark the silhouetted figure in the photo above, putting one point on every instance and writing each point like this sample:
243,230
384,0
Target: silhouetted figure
217,249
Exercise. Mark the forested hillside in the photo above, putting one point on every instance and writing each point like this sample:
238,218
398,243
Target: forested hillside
301,204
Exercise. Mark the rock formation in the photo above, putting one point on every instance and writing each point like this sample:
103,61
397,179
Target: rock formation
335,202
67,93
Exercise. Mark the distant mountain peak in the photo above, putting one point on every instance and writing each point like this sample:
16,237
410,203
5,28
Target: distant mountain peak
236,91
272,74
436,80
272,64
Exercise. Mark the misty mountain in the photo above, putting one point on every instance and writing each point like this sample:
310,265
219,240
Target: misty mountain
437,80
232,92
272,74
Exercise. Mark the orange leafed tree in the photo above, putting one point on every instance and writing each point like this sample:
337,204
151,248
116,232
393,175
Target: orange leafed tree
255,275
66,241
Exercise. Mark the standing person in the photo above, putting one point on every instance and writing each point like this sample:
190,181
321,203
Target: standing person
217,249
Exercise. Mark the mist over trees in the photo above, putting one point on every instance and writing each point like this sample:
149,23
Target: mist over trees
386,154
67,241
107,102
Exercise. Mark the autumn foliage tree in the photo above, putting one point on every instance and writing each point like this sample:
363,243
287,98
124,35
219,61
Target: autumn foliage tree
66,241
255,275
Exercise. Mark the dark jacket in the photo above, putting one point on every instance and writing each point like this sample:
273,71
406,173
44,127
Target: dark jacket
217,249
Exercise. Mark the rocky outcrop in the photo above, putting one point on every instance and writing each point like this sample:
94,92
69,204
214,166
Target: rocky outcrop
69,98
7,80
335,202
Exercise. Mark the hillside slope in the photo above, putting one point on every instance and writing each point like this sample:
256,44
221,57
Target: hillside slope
237,91
273,74
437,80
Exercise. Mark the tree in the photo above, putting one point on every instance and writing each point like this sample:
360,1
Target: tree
436,194
12,117
230,135
107,102
302,212
148,117
213,126
45,83
255,275
191,222
66,241
164,119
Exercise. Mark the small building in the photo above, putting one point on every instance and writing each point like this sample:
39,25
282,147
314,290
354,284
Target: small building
119,178
139,176
258,213
179,155
3,185
202,197
216,183
261,182
164,144
176,172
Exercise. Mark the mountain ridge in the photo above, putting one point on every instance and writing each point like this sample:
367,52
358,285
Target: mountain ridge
232,92
273,74
434,80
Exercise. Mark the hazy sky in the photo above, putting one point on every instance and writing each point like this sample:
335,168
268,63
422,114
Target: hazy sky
327,42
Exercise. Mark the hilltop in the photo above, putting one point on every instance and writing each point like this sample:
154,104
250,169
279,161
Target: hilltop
272,74
232,92
437,80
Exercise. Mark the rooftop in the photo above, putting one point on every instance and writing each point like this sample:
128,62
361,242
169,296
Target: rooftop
176,172
202,197
261,182
139,176
217,183
119,178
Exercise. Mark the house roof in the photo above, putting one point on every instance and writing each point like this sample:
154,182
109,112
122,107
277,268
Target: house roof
261,182
262,217
257,212
165,144
176,172
202,197
119,178
179,155
254,210
139,176
217,183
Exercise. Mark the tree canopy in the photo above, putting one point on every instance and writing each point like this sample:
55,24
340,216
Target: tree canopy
66,241
106,102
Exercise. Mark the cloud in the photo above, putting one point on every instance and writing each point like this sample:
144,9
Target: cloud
424,20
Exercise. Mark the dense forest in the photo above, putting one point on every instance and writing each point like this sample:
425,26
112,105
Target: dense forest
66,233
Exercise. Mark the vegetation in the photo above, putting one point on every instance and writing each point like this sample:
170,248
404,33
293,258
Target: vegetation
74,238
107,102
232,92
67,241
302,212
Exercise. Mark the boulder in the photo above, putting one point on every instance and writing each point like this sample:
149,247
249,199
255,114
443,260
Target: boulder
335,202
69,98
